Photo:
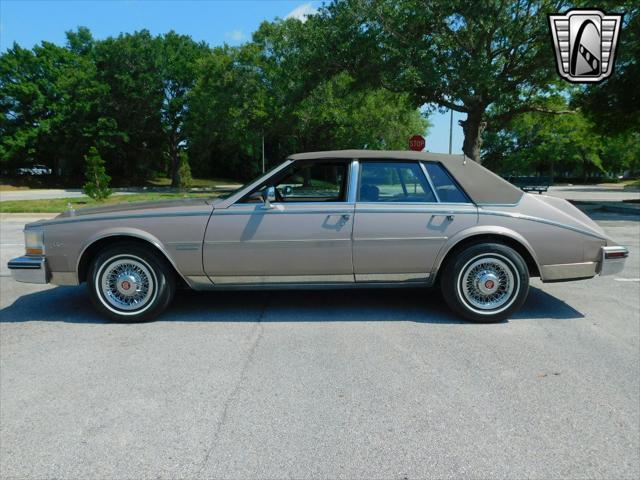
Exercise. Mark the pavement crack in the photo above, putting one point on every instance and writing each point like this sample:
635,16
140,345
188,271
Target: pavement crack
257,332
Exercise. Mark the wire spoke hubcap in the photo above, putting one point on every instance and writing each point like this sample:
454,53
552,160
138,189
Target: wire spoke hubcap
487,283
127,284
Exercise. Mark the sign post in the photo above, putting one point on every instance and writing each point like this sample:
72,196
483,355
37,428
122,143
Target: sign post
417,143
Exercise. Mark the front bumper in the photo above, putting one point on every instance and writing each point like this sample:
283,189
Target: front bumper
29,269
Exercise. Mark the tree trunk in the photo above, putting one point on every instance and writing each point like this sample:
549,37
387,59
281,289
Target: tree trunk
174,158
472,128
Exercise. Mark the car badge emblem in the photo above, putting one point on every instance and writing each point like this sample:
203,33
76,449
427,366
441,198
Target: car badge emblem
585,44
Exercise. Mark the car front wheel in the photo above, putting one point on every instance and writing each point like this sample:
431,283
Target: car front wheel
485,282
129,283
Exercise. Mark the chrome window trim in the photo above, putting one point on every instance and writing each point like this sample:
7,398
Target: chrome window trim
354,181
379,160
428,177
423,167
330,208
423,208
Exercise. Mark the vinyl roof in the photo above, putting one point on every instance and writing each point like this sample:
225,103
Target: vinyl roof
386,154
481,184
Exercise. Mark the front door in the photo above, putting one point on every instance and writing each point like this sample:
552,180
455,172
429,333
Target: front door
303,236
405,211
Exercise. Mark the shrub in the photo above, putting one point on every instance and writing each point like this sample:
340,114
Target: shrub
184,172
97,186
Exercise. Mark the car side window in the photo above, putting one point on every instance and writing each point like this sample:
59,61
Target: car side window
308,182
446,187
393,182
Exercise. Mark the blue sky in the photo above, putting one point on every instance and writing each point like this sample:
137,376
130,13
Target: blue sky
28,22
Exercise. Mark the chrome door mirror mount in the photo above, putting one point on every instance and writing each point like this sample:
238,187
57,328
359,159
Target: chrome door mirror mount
268,196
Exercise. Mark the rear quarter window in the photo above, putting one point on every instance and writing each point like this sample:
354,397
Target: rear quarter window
446,187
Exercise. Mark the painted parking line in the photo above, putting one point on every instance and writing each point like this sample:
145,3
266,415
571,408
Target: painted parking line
627,279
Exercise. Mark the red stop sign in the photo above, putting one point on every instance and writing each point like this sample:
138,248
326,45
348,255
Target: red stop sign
417,143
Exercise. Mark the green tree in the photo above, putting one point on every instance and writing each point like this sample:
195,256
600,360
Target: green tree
97,184
614,105
50,106
335,115
178,59
260,91
489,59
568,145
129,66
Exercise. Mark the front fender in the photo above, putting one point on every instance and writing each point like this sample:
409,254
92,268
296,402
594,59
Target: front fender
125,232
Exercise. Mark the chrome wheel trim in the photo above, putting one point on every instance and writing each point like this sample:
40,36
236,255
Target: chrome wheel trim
126,284
488,283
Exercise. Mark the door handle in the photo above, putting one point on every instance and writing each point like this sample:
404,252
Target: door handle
344,217
448,216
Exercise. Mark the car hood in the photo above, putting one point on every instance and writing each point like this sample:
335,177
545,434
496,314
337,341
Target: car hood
135,206
181,206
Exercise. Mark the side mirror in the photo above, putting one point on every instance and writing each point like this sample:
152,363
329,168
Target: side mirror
268,196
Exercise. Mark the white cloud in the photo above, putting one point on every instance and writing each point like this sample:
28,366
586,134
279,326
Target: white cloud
236,36
301,12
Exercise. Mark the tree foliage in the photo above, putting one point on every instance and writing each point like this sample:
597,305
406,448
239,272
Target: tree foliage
356,75
489,59
564,146
262,93
615,103
148,102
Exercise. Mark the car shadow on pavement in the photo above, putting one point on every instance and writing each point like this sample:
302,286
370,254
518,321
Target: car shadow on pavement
72,305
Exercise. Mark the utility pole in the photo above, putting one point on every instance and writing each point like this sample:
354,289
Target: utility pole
450,131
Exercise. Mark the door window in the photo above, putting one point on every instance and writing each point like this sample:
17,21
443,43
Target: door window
307,182
314,182
394,182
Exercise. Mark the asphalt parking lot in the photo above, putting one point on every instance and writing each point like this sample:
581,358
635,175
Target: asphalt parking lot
330,384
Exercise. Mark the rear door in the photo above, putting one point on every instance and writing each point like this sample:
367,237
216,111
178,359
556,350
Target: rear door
405,211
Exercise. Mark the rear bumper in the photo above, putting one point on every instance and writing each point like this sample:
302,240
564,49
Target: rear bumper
29,269
611,261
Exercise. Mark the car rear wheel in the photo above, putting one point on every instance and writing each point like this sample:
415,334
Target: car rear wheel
129,283
485,282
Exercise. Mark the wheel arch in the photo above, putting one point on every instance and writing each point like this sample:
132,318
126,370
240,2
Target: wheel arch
101,241
503,236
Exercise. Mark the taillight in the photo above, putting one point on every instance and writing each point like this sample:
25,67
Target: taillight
617,254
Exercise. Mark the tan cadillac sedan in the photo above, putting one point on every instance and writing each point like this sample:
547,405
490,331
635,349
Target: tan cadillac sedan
353,218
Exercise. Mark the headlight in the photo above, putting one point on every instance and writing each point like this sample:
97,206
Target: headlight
34,242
